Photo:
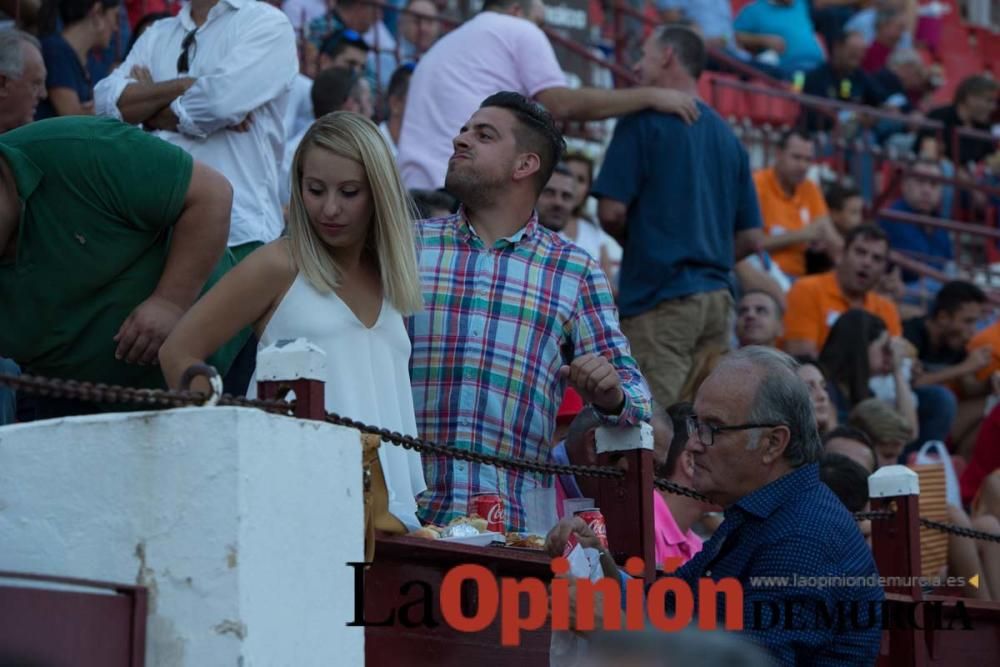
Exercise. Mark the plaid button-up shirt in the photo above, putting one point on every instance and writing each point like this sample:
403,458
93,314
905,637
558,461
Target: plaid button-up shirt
498,322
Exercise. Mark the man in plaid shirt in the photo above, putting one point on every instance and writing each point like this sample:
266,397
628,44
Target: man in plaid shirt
513,313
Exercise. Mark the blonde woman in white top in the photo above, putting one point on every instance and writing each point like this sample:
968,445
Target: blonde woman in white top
343,278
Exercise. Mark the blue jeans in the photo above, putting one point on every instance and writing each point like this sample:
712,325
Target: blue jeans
8,399
936,412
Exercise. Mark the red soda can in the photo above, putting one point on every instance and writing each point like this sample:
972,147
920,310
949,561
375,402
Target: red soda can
595,520
490,507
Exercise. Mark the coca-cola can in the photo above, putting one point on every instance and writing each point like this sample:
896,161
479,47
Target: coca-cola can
490,507
595,520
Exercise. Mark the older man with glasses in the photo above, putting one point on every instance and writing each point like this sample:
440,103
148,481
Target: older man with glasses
755,447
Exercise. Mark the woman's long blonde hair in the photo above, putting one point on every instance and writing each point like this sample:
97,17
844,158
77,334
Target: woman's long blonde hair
354,137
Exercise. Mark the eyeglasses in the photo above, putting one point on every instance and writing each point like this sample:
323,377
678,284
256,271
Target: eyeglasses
188,48
706,432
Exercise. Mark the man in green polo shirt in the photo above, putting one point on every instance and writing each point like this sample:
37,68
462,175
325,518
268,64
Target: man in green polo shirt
107,236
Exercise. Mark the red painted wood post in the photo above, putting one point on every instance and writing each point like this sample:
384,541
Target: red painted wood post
627,503
896,547
294,366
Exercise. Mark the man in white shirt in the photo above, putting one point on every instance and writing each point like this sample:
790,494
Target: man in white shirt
214,80
500,49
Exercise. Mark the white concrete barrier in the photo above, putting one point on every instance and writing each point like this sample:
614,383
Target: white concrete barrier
239,522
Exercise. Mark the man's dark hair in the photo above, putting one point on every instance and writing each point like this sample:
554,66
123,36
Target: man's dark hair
505,5
865,232
399,82
678,414
954,295
798,132
535,132
846,478
977,84
331,89
688,46
851,433
337,41
777,304
426,201
840,38
562,170
837,193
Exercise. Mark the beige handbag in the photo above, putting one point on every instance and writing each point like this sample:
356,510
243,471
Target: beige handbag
377,516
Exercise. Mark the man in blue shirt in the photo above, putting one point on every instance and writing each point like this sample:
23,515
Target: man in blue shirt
681,200
792,545
782,26
921,195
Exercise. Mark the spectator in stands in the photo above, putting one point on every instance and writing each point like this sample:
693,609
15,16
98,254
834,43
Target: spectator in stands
433,203
847,479
850,369
419,28
846,209
823,409
302,12
890,26
86,25
854,444
888,430
972,109
674,514
682,199
395,102
865,21
485,326
582,229
988,338
904,81
921,194
500,49
781,26
755,452
792,207
941,339
841,79
221,100
356,16
134,228
22,78
758,319
335,89
555,204
343,48
344,276
815,302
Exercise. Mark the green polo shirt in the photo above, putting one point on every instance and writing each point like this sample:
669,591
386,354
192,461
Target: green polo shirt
99,199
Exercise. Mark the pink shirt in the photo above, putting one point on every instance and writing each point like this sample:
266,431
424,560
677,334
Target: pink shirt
670,542
490,53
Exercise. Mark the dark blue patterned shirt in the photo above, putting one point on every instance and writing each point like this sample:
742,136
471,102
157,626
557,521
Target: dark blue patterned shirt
790,529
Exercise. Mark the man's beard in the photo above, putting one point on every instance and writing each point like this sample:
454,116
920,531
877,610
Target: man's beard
472,189
556,224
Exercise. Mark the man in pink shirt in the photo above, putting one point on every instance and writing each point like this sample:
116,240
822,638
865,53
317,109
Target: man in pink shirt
673,515
500,49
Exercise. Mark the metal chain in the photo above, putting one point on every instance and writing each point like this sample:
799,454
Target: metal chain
102,393
959,530
873,515
679,490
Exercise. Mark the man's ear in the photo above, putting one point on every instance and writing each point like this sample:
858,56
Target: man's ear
687,463
774,444
526,166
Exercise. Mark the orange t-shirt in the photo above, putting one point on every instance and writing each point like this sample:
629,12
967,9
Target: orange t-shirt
815,303
782,214
988,336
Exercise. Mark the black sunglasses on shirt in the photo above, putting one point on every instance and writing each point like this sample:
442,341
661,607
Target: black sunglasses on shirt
188,47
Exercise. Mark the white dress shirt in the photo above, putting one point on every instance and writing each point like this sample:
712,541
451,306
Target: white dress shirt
299,114
384,129
244,61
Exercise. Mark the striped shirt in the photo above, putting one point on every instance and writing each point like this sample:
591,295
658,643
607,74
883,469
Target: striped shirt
497,324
